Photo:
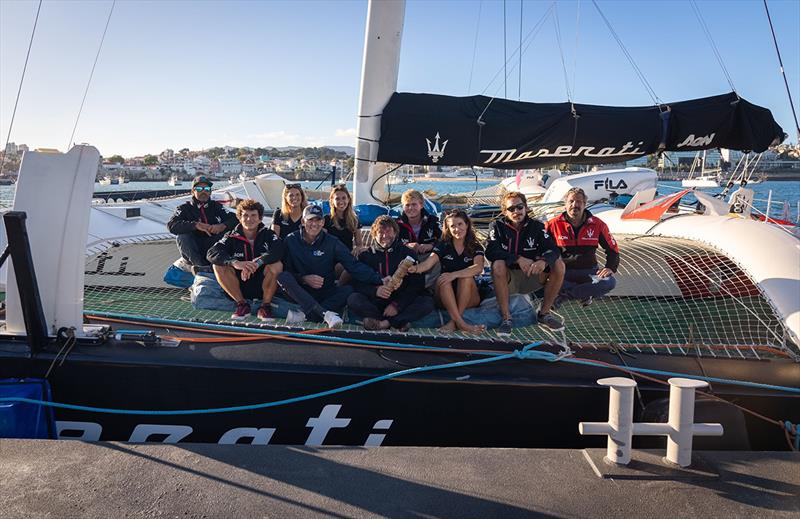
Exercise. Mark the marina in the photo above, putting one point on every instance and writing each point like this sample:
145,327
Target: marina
537,310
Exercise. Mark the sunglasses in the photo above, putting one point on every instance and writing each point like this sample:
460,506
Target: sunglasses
293,186
202,188
515,208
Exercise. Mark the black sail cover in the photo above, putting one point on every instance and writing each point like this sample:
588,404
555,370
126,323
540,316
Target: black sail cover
431,129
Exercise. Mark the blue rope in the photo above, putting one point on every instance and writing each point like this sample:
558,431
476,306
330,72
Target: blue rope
525,353
794,430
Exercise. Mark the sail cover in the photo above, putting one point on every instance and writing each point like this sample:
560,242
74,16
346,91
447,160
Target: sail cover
431,129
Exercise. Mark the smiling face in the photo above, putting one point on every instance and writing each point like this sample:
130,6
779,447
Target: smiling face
385,235
515,209
202,192
457,227
574,205
412,208
294,198
250,220
313,226
340,201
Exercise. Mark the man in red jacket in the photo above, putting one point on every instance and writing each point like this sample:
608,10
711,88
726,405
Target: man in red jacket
578,233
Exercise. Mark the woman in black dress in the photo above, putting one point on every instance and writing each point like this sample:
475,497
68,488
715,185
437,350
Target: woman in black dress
343,222
461,257
288,218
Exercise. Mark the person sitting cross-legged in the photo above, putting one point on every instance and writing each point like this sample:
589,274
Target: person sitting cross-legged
461,257
247,261
309,276
400,297
578,233
523,257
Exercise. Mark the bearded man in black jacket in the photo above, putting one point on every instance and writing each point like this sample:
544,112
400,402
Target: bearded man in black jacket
199,224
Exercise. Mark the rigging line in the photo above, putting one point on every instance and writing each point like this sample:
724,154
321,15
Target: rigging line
636,68
714,48
91,74
557,26
780,62
575,56
532,33
475,47
519,83
19,90
505,53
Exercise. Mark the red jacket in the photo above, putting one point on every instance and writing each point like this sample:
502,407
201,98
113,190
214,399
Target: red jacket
579,245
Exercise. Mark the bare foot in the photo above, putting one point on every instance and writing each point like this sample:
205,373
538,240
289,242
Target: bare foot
450,327
471,328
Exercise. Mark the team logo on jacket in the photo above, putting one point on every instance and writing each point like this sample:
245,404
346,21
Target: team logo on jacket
318,253
531,242
590,233
435,153
449,257
430,233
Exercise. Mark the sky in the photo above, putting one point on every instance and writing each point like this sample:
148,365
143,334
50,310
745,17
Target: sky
197,74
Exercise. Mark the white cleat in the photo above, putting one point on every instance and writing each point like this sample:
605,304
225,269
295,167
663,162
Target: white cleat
295,316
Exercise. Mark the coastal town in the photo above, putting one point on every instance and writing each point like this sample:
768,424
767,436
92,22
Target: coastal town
320,163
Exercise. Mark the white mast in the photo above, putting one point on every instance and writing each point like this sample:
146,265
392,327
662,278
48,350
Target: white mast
378,82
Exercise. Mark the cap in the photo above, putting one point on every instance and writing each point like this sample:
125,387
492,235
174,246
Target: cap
312,211
202,179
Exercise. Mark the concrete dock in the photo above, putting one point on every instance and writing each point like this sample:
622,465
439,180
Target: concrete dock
41,478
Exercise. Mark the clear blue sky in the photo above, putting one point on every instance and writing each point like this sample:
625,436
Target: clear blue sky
199,74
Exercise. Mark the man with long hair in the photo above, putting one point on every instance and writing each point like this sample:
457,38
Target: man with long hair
524,257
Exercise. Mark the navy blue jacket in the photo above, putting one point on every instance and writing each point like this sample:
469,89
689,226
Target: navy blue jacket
321,256
234,246
385,262
191,212
429,231
532,241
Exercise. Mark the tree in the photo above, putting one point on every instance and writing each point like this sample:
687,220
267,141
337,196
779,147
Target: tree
150,160
116,159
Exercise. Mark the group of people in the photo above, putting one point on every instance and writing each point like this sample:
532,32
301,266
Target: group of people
320,261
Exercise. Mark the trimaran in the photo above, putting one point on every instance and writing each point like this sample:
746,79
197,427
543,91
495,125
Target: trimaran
119,355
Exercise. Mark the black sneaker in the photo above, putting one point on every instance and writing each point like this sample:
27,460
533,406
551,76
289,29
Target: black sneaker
587,301
505,327
560,300
549,320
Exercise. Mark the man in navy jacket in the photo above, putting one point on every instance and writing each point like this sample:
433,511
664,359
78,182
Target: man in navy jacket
247,261
200,223
381,306
309,276
524,257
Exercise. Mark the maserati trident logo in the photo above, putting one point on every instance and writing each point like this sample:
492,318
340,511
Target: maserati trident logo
590,233
436,153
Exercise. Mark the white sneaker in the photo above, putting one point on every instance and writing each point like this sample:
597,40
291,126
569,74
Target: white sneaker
295,316
332,319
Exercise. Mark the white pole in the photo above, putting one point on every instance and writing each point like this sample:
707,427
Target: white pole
769,204
681,420
379,72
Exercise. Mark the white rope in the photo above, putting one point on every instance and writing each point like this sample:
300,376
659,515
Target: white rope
475,47
714,48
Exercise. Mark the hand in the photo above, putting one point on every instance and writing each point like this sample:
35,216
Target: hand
217,228
412,269
248,268
390,311
313,280
383,292
447,277
424,247
524,265
605,273
203,227
537,267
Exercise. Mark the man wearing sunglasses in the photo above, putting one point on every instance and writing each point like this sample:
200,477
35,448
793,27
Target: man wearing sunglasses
199,224
524,257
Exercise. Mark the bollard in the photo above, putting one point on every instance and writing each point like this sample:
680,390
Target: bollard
680,429
619,427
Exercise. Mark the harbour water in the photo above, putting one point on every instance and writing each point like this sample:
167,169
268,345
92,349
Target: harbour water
782,191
